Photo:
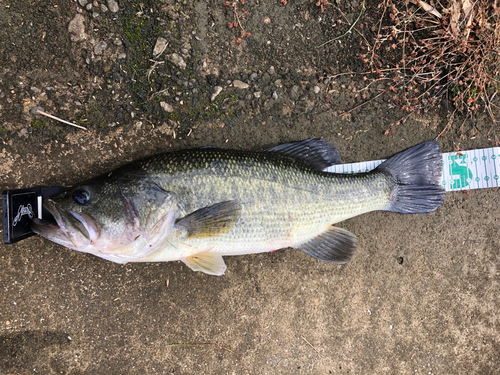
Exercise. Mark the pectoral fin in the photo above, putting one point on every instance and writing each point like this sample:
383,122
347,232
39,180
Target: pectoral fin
336,245
211,221
212,264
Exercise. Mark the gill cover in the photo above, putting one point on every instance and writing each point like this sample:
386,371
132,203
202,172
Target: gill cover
116,219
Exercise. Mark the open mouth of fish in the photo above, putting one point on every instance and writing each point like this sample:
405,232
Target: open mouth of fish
68,228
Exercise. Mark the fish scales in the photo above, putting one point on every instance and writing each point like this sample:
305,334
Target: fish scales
283,200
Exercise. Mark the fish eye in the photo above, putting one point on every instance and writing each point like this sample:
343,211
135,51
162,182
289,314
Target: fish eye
81,196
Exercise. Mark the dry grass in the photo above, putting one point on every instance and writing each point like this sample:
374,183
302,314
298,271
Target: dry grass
425,52
435,50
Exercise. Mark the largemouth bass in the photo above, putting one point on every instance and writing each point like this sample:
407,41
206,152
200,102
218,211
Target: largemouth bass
199,205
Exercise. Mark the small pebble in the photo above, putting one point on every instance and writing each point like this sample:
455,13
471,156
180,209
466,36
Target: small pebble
215,71
104,8
240,85
76,28
257,94
253,76
113,6
178,60
295,92
82,2
35,110
160,46
100,47
166,107
271,70
217,91
316,89
275,95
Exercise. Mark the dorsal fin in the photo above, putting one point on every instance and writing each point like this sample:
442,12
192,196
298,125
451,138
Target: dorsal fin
318,153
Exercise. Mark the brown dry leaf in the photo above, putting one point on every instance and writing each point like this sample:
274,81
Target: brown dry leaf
428,8
466,7
454,10
468,13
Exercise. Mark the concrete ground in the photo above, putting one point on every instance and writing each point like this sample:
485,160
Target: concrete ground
420,295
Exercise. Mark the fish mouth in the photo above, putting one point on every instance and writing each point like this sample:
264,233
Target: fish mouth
70,229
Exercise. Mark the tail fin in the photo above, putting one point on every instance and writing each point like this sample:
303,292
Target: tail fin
417,175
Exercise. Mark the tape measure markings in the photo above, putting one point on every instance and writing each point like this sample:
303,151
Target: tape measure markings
462,170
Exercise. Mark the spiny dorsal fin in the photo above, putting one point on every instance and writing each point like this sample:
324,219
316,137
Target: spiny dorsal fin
318,153
336,245
211,221
212,264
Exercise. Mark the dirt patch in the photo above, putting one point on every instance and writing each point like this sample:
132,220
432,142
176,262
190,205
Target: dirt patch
421,292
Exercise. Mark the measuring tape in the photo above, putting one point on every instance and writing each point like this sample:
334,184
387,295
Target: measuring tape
462,170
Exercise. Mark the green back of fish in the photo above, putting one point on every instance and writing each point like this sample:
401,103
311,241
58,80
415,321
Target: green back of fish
283,200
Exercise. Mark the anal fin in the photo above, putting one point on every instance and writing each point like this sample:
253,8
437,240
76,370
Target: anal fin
336,245
212,264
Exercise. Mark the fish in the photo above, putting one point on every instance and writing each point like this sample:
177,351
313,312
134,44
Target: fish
199,205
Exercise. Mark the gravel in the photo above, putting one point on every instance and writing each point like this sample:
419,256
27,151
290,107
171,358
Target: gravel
76,28
113,6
